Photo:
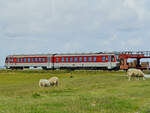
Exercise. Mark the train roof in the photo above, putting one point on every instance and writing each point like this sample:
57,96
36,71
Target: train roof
24,55
94,53
71,54
59,54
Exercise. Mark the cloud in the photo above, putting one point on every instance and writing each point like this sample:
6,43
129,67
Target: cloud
139,7
34,26
134,42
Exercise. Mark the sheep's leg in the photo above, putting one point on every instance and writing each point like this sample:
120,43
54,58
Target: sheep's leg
44,85
40,84
143,78
56,83
129,78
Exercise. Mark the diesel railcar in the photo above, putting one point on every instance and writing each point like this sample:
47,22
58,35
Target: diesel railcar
29,60
63,61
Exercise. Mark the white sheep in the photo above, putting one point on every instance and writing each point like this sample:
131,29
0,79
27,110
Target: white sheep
135,73
53,81
44,83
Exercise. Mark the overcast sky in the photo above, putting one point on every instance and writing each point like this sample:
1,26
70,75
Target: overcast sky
56,26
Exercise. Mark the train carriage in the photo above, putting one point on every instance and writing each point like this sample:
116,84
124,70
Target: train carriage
82,61
63,61
27,61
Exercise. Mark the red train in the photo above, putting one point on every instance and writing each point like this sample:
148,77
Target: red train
64,61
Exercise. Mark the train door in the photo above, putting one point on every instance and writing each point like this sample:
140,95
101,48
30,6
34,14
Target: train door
49,62
109,62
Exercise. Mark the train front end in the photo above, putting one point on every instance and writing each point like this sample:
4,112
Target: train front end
7,62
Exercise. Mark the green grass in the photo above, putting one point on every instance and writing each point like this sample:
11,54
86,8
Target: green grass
85,92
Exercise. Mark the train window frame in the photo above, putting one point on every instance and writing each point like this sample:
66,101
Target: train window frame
112,58
21,60
36,59
117,58
103,58
109,58
32,59
29,60
57,59
12,60
40,60
25,59
48,59
62,59
67,59
18,59
76,59
90,59
71,59
80,59
85,59
94,59
6,60
43,59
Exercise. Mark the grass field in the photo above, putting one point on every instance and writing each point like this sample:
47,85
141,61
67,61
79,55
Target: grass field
86,92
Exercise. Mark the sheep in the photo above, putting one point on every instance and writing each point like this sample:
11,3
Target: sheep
135,73
44,83
53,81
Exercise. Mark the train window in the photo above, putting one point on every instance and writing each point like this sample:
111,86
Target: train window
6,60
117,58
76,59
94,59
57,59
28,59
11,59
43,59
66,59
71,59
109,58
112,58
17,59
49,59
31,59
25,60
80,59
90,59
39,59
85,59
35,59
103,58
21,59
62,59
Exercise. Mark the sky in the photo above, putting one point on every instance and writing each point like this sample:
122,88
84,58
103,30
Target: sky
73,26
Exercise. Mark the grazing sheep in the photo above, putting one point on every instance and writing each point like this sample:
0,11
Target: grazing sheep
44,83
53,81
135,73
